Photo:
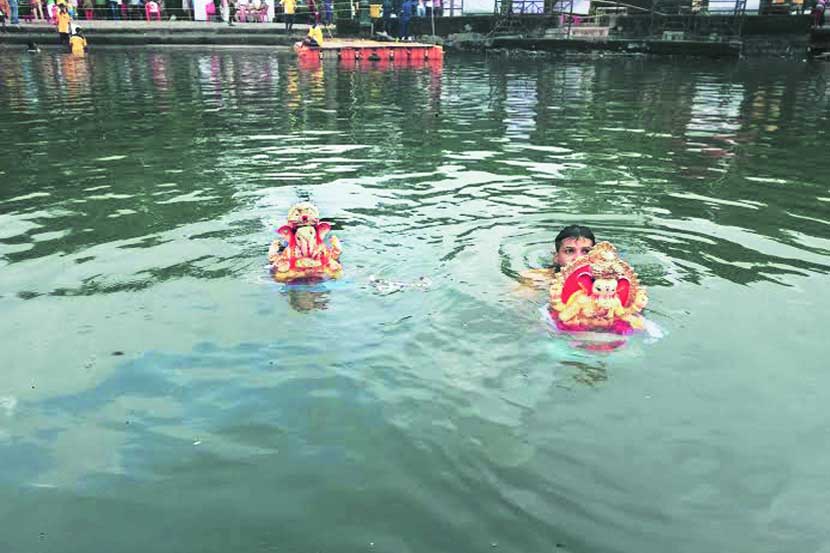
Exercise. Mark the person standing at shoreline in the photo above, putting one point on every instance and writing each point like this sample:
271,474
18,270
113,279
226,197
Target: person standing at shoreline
63,25
15,9
403,20
37,10
4,12
152,10
328,12
388,10
289,7
231,12
818,13
312,8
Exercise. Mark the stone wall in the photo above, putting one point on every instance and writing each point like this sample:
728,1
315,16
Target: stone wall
820,40
625,26
787,46
706,26
658,47
483,24
223,35
761,35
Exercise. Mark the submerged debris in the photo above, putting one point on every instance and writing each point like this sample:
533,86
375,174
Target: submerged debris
386,286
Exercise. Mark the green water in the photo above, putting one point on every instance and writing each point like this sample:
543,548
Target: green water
160,393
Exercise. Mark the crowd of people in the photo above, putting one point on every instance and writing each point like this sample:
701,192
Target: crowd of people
396,14
48,10
9,12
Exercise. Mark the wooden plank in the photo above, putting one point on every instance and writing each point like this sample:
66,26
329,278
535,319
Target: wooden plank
334,44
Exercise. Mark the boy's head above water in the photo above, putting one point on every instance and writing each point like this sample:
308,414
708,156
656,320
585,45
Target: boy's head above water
572,242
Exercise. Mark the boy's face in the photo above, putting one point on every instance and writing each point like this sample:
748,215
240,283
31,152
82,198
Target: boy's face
571,248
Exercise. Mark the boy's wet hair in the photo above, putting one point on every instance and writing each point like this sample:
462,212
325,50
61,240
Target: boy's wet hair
573,231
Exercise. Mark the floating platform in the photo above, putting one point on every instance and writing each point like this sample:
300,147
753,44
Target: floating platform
372,51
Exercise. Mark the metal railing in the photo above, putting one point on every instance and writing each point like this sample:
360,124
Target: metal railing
453,7
687,17
660,7
680,18
520,7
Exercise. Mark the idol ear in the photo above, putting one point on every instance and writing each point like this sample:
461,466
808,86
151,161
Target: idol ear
586,282
624,291
323,229
580,279
285,231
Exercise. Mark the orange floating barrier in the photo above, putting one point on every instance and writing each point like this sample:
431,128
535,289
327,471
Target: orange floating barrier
373,53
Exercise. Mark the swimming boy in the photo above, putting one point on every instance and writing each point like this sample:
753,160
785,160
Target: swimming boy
572,241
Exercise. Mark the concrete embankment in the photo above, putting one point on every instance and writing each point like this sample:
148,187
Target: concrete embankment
659,47
685,35
165,33
711,36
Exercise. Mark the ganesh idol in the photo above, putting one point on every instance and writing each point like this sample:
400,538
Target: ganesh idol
307,251
598,292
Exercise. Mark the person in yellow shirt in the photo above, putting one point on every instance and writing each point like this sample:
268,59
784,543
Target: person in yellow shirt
63,25
77,43
289,7
314,37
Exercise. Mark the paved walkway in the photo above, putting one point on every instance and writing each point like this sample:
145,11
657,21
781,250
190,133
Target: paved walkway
178,25
160,33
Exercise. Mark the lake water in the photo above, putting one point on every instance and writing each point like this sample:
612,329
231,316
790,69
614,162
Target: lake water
160,393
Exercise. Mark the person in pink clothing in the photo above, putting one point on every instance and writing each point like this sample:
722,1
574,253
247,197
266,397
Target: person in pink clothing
4,12
152,10
37,10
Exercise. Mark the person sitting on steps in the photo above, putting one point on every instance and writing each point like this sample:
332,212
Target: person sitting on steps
314,38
